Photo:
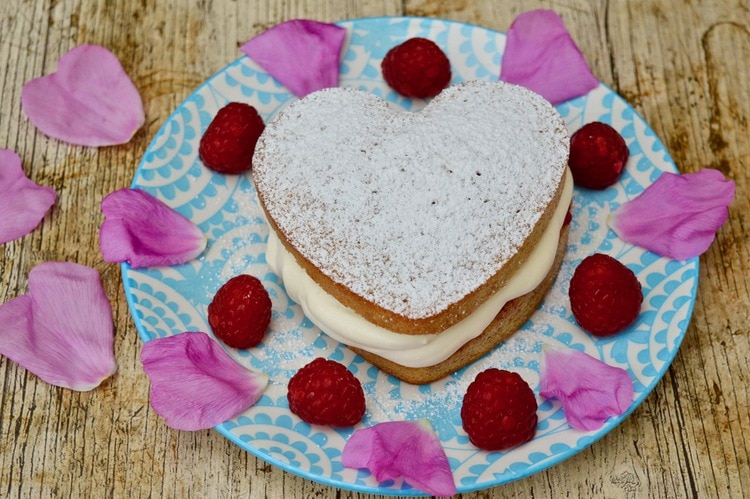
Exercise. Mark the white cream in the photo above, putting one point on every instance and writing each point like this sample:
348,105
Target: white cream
346,326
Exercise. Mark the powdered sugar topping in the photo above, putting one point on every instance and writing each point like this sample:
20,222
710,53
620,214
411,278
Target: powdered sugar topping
412,210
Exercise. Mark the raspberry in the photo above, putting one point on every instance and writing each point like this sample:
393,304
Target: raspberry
597,155
499,410
605,295
240,312
229,142
325,392
568,216
417,68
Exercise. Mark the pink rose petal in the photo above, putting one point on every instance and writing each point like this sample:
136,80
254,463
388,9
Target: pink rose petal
24,203
62,329
143,231
678,215
195,384
402,449
89,101
302,55
589,390
541,56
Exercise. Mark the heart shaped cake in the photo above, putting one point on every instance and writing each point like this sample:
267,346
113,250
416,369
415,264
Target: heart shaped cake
394,229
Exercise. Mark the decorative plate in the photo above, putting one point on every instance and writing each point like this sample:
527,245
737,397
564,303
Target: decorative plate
170,300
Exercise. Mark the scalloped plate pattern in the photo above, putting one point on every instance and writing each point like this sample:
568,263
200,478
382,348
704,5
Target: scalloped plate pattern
170,300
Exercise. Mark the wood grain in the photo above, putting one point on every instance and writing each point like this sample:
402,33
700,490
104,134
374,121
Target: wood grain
683,65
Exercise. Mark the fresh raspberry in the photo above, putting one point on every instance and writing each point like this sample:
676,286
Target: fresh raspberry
568,216
240,312
229,142
325,392
499,410
417,68
597,155
605,295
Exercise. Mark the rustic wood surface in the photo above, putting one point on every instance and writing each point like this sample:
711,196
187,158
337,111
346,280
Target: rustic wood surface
684,65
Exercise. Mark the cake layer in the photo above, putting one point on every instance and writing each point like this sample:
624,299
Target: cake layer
420,351
412,219
512,316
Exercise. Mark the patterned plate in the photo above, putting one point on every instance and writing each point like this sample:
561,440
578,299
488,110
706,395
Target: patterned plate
169,300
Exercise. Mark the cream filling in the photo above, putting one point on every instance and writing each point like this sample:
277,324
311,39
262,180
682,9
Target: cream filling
344,325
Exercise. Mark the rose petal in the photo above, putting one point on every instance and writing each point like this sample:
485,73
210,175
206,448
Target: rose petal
89,101
302,55
62,329
541,56
589,390
396,449
143,231
24,203
195,384
678,215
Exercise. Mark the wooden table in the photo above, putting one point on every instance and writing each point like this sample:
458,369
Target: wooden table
683,65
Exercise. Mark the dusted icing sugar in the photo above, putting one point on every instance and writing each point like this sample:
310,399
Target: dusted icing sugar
423,350
412,211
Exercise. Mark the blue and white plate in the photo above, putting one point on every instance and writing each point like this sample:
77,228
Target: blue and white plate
170,300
